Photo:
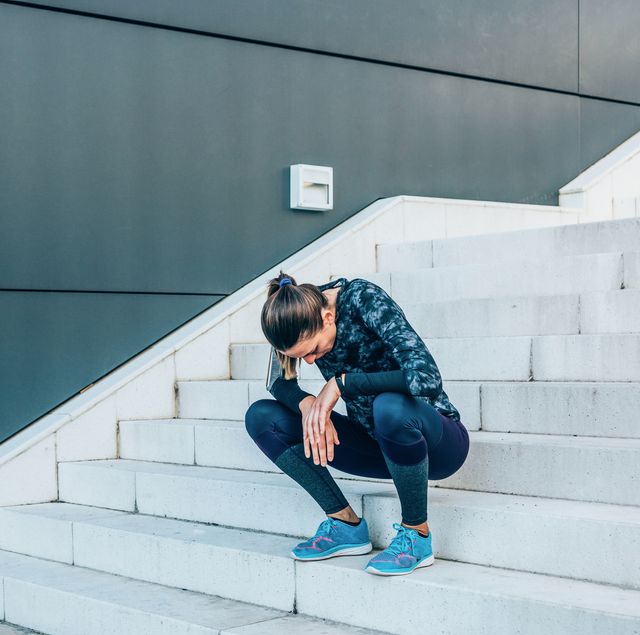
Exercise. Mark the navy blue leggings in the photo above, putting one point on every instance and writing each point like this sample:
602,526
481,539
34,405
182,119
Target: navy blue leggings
413,442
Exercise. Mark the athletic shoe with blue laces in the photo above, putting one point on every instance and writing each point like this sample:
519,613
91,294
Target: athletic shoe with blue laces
407,551
334,538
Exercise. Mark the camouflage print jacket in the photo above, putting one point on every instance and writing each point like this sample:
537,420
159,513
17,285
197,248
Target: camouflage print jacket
378,350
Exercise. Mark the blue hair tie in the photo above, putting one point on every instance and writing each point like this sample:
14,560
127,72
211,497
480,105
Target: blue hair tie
285,281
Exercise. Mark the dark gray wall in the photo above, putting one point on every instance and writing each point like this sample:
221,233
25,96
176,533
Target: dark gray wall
145,146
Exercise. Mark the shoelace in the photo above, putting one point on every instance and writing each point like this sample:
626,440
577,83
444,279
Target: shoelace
326,526
401,542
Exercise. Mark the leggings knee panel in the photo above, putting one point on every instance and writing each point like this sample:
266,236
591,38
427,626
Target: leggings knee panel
403,453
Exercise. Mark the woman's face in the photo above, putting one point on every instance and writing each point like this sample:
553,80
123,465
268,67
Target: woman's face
319,344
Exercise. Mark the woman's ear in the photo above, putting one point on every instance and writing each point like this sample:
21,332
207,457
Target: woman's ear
328,316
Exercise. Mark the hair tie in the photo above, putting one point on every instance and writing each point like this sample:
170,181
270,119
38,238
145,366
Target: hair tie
285,281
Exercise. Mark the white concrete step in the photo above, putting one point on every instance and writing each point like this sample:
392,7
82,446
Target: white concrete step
599,409
61,599
468,526
596,312
598,469
538,243
229,399
581,357
590,312
570,274
128,485
546,407
256,567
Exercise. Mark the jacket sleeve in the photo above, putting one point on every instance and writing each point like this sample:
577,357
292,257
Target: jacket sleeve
374,383
286,391
382,315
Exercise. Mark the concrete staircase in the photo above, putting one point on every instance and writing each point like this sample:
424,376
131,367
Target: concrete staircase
537,335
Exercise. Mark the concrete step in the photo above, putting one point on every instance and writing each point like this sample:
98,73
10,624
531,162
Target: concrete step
522,312
229,399
599,409
63,599
554,466
538,243
582,357
468,526
546,407
249,566
129,485
570,274
596,409
562,314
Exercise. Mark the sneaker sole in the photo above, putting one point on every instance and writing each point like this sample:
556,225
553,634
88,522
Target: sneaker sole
423,563
351,550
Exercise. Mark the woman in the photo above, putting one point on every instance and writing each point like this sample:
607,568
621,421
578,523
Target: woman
400,424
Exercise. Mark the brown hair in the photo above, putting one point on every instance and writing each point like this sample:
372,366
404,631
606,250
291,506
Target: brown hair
291,313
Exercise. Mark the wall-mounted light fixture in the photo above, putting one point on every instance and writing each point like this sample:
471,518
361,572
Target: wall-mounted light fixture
311,186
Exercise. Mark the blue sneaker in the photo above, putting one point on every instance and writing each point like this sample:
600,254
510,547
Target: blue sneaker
334,538
407,551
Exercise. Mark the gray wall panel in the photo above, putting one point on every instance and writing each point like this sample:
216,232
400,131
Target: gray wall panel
524,41
610,49
603,126
55,344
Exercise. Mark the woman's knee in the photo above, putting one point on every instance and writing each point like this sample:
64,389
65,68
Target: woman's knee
397,430
259,415
388,413
272,426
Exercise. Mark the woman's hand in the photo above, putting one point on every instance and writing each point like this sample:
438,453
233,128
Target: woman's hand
319,433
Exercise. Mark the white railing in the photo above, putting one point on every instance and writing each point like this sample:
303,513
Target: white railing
610,188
